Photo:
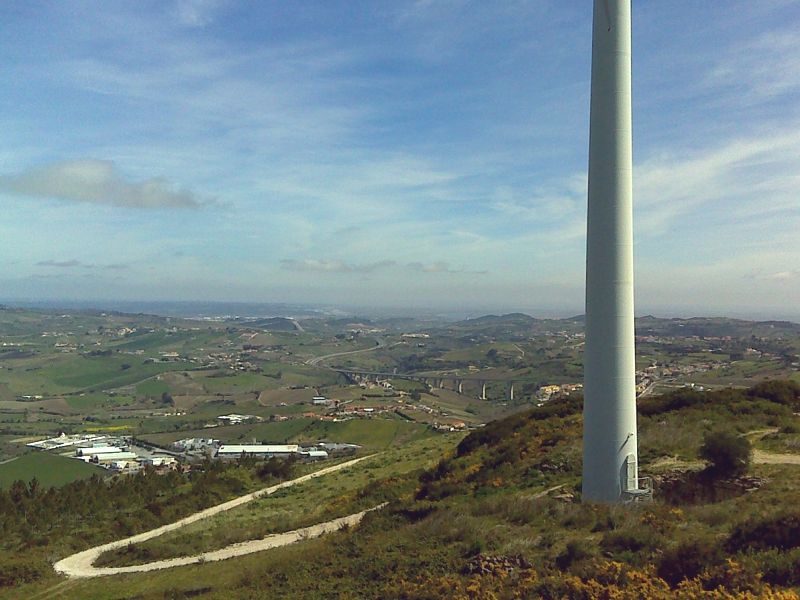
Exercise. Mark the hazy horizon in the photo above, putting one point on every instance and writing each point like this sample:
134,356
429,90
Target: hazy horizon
214,308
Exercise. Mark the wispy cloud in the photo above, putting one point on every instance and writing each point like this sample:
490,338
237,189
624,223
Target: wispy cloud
338,266
334,266
441,267
764,67
752,176
97,182
555,203
59,263
775,276
196,13
73,263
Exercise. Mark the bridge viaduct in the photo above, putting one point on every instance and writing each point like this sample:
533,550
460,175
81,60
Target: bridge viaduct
456,382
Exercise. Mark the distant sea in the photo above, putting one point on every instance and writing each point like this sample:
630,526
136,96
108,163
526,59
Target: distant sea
245,310
185,309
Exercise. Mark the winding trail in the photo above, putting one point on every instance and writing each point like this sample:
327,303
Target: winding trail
80,565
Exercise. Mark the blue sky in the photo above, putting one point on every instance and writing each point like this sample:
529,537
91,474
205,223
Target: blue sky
404,154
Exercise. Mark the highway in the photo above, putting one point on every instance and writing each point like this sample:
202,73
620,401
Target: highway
318,359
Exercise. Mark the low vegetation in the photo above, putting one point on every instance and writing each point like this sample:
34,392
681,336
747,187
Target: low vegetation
377,480
37,522
499,517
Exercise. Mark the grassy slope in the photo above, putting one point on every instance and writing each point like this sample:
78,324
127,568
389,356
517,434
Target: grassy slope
49,469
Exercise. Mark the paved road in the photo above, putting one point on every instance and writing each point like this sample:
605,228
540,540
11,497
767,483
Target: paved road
318,359
80,565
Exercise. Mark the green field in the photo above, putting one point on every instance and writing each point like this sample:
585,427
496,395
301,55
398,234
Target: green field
152,388
60,374
371,433
49,469
92,400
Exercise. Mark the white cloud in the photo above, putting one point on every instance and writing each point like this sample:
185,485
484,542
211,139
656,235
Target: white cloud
97,182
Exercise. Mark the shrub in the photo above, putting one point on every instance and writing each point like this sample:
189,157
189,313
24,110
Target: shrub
438,490
779,568
629,541
416,512
743,579
576,550
782,392
781,532
443,469
688,560
497,431
476,547
729,454
673,401
18,571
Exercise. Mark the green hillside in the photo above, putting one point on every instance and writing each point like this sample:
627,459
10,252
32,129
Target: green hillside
499,517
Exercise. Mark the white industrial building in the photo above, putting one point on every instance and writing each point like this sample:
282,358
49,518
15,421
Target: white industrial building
260,450
110,457
313,454
63,440
158,461
97,450
188,444
234,419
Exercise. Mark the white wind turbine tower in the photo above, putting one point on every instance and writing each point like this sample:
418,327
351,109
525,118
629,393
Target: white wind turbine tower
610,463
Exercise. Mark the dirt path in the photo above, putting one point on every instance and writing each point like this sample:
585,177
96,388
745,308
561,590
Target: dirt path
762,457
773,458
757,434
80,565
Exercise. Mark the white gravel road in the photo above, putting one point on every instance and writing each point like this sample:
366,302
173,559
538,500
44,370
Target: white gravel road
80,565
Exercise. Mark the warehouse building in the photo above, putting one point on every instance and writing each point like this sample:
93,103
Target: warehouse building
259,450
97,450
110,457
